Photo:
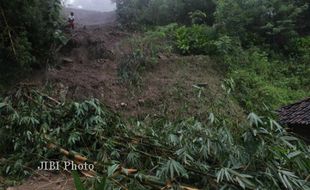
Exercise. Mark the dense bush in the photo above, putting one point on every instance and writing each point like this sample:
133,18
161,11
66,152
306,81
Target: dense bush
134,13
27,34
202,39
256,22
300,48
260,75
197,39
264,76
270,80
303,24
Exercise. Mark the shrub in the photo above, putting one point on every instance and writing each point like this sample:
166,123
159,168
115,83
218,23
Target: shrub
268,80
300,47
139,53
198,17
27,32
130,66
135,13
197,39
260,21
225,45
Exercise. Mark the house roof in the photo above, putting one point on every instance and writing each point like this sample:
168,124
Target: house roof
296,114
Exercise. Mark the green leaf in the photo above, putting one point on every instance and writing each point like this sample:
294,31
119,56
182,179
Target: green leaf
294,154
102,185
254,119
7,169
112,169
2,105
240,182
211,118
77,181
173,139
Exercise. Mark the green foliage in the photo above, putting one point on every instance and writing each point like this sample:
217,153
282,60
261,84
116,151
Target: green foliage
260,76
141,53
77,181
130,66
300,48
198,17
201,39
272,22
171,170
99,184
260,154
197,39
217,154
27,34
269,80
134,13
30,125
302,20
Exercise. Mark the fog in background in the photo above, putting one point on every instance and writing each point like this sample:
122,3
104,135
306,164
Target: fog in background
95,5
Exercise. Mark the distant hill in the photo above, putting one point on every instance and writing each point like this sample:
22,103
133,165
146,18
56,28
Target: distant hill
88,17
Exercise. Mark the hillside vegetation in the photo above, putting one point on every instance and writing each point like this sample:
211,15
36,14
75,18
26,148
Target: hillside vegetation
213,74
29,34
264,44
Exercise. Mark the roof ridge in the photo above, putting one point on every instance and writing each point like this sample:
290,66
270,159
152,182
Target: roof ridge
292,104
295,113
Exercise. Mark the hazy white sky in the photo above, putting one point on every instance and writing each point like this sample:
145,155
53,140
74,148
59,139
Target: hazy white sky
96,5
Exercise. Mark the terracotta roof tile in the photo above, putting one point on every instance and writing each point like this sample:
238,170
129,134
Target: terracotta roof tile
296,113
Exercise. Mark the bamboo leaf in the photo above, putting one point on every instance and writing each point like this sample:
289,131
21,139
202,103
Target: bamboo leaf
102,185
77,181
2,105
112,169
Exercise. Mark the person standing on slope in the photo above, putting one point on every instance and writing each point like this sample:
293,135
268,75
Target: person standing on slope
71,20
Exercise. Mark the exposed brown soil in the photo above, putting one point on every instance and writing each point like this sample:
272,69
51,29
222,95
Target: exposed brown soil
87,68
47,181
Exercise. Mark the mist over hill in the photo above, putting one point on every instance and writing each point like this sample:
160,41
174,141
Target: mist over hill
95,5
89,17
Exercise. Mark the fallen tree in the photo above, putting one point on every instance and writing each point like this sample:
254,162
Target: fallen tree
150,154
